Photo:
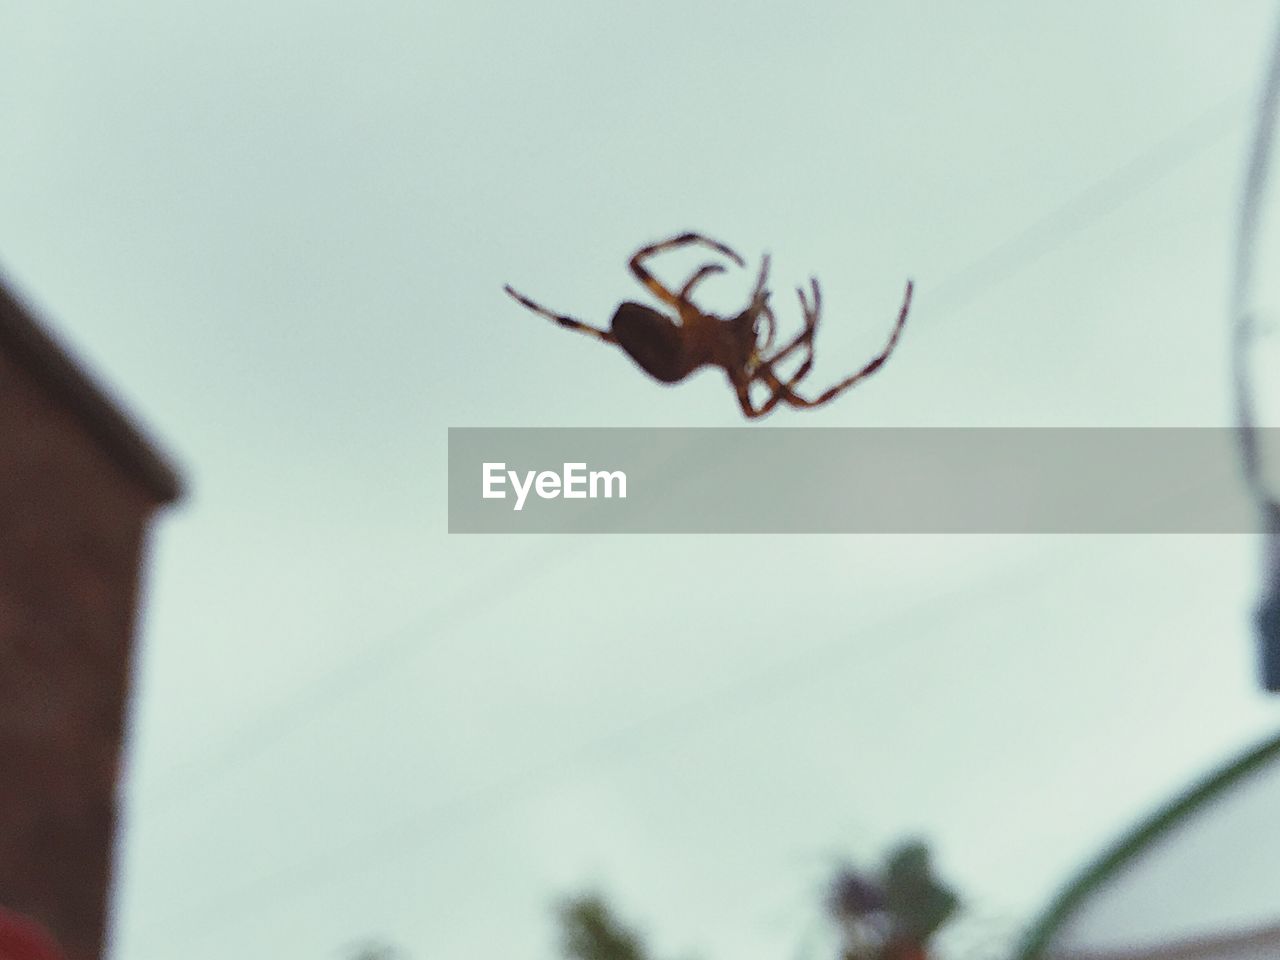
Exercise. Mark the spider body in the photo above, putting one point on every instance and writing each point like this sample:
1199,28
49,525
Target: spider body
670,349
653,341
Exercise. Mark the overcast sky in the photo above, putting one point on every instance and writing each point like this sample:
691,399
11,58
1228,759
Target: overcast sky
279,232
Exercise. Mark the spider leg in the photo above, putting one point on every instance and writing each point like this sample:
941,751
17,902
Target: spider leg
684,239
759,295
781,392
687,307
764,371
805,336
564,321
772,325
744,401
761,368
785,392
699,275
759,308
876,362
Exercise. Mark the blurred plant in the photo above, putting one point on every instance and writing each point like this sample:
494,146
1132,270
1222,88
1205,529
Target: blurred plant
894,915
889,915
589,930
374,950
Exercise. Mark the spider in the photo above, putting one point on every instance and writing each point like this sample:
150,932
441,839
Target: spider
669,351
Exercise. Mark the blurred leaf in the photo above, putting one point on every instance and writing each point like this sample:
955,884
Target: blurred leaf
918,901
590,931
374,950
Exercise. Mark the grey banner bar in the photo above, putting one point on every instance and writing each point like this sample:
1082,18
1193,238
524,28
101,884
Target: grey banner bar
920,480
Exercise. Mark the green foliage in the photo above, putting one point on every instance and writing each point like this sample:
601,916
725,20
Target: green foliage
375,950
590,931
893,912
918,902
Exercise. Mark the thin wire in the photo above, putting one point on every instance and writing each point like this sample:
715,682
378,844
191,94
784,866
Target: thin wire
360,670
1099,198
355,672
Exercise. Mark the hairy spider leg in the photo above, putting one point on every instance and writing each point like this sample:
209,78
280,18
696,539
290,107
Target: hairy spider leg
749,319
564,321
760,305
876,362
700,274
743,389
759,295
772,326
805,336
653,284
782,392
764,372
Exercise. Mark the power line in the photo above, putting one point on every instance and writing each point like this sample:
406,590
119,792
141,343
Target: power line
355,672
1101,197
360,670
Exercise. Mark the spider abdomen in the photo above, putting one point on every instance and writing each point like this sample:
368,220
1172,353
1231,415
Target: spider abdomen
652,340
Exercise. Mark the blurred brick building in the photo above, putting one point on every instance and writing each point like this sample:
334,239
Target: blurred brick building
78,488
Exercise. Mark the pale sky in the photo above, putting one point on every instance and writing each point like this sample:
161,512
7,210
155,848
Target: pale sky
279,232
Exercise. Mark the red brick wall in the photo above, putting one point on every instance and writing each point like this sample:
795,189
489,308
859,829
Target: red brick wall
72,529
